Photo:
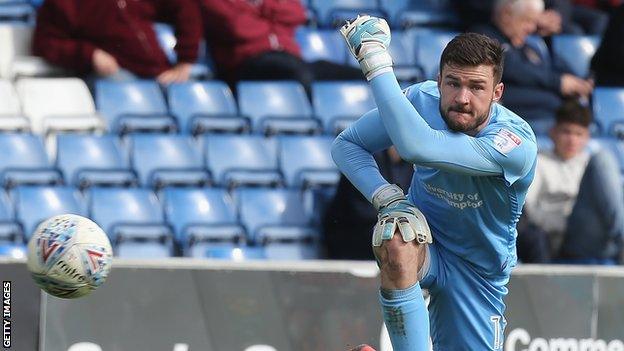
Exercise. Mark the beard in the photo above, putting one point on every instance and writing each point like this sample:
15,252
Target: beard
457,126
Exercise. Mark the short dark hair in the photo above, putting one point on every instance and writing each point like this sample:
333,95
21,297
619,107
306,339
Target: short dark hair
472,49
571,111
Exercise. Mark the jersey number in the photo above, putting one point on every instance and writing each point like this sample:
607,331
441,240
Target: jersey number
498,342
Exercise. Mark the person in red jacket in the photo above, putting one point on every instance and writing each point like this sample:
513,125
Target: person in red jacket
255,40
115,38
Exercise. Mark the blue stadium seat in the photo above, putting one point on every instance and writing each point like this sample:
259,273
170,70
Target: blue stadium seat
230,252
129,214
236,160
92,160
202,216
25,161
132,106
16,12
10,230
338,104
306,161
34,204
429,47
13,251
421,13
321,44
541,126
608,105
333,13
167,40
144,249
205,106
277,107
276,216
573,53
167,159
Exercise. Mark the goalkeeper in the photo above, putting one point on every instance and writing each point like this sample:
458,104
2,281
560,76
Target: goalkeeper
455,232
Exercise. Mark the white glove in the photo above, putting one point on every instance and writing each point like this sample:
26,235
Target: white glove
395,211
368,39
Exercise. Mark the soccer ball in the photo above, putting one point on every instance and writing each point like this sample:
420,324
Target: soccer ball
69,256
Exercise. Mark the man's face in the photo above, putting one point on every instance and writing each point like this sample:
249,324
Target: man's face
517,26
466,95
569,139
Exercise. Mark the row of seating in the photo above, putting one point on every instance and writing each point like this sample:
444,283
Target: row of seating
178,220
53,104
160,160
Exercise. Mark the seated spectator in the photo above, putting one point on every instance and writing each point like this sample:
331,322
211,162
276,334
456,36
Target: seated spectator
575,202
607,62
349,219
255,40
559,16
533,87
564,17
116,39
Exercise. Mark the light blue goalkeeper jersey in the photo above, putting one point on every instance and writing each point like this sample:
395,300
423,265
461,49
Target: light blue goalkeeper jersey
471,189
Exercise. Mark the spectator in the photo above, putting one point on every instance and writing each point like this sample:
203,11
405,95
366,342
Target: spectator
115,38
607,62
255,40
563,17
559,16
533,87
350,216
576,199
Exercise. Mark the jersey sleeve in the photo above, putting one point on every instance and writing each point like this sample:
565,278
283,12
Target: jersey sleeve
507,151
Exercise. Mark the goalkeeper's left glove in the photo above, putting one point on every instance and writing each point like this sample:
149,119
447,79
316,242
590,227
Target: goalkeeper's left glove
396,212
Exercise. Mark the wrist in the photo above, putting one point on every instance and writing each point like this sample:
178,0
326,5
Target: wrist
387,194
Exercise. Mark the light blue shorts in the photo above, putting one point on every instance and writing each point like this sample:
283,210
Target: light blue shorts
466,309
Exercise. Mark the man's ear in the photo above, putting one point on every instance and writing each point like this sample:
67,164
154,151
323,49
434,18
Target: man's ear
498,92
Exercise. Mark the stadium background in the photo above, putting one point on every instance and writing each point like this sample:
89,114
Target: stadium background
147,163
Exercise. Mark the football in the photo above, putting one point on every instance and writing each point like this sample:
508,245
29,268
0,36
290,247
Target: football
69,256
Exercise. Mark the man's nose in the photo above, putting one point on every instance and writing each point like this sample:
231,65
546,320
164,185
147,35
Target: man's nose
463,97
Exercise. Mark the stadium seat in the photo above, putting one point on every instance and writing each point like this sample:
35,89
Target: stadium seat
58,104
320,44
306,161
608,106
92,160
25,161
277,107
429,47
128,214
229,252
205,106
34,204
144,249
167,40
541,126
236,160
333,13
202,216
338,104
167,159
17,12
573,53
10,230
133,106
11,118
17,251
15,54
422,13
277,219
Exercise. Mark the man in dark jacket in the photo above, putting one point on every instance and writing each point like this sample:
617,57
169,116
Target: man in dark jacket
533,87
115,38
607,62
